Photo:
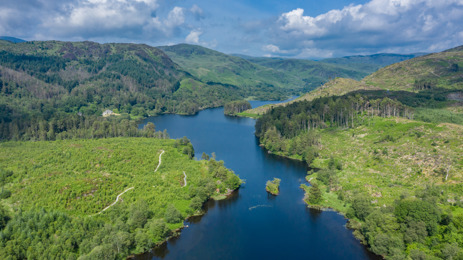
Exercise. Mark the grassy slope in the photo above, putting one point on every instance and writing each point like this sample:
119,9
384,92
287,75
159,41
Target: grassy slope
387,169
433,67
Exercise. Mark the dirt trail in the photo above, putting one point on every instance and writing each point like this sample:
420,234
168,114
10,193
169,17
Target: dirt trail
159,164
184,180
117,199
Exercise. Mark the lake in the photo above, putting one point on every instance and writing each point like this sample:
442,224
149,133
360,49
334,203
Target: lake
252,224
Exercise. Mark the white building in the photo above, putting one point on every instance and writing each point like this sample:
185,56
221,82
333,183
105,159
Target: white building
108,113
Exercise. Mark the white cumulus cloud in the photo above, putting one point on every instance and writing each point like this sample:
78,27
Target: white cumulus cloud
123,19
271,48
193,37
373,26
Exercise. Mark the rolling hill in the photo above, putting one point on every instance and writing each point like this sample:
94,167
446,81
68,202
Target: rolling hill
433,71
442,70
42,81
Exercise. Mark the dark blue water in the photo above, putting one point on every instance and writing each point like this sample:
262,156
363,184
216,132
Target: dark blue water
252,224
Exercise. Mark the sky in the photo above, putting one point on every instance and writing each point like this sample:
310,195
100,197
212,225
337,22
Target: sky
311,29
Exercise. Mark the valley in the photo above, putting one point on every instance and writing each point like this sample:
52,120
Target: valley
375,140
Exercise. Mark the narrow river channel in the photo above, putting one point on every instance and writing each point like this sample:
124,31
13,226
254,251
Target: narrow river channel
252,224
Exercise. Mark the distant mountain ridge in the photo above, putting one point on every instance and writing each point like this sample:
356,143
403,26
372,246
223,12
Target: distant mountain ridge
310,73
241,70
379,59
11,39
215,67
316,73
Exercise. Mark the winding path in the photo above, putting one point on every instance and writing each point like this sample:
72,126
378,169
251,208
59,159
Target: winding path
118,196
159,164
184,179
117,199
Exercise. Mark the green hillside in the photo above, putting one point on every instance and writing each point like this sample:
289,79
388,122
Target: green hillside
310,71
60,199
46,81
211,66
434,72
89,77
337,86
311,74
437,70
398,180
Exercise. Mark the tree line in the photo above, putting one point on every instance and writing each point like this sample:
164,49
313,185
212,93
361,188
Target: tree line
346,111
235,107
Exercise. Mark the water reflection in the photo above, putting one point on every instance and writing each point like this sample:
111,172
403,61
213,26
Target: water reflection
314,213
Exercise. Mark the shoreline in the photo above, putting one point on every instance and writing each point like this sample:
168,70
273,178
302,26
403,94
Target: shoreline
349,224
177,232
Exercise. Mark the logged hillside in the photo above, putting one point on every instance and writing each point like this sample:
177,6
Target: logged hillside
437,70
386,156
398,180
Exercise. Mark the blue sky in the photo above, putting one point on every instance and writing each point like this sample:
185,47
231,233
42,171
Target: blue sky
292,28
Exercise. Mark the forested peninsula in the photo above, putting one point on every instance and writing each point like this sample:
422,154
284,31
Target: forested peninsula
101,198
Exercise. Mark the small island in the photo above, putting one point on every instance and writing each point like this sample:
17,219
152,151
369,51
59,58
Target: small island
273,187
